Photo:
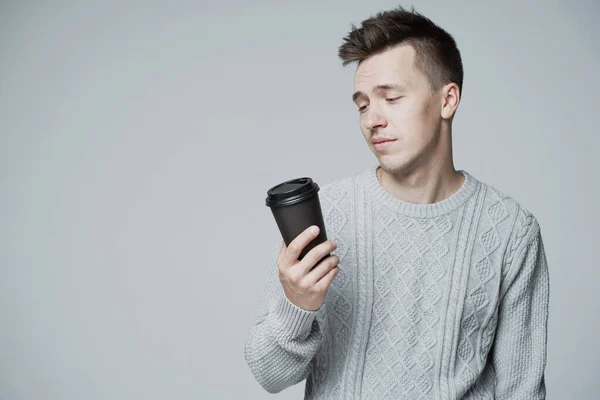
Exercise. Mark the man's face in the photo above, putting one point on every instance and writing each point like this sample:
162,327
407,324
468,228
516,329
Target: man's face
395,101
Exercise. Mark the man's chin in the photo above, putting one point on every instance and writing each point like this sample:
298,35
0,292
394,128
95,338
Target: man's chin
395,166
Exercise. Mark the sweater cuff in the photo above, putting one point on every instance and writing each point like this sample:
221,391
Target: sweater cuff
292,320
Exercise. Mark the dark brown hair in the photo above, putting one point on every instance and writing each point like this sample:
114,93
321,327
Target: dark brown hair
436,53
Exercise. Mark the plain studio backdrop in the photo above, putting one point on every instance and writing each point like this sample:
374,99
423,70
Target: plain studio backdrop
138,143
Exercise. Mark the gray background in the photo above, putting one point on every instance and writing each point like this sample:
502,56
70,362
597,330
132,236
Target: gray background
137,144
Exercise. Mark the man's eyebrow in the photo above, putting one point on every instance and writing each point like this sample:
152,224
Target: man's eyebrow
379,88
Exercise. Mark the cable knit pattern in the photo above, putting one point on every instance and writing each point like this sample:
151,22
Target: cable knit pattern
439,301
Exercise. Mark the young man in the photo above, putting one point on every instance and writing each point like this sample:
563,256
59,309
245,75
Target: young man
442,288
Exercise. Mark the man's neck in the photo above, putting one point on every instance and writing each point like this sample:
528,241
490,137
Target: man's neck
424,185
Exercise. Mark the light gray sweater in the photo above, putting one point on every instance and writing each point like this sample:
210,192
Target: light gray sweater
439,301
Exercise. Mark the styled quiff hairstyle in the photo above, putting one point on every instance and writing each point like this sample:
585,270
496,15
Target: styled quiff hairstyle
436,53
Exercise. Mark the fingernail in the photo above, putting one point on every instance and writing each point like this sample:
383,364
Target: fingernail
314,229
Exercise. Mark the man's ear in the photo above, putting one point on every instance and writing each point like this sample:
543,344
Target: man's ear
450,100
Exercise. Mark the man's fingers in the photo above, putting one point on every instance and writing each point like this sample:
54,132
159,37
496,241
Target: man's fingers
298,244
316,255
322,268
324,283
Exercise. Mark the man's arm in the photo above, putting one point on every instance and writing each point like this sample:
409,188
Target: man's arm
283,339
519,351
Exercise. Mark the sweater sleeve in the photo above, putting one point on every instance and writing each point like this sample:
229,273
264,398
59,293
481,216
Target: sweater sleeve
519,351
283,338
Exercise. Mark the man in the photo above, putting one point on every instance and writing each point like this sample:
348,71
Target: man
438,287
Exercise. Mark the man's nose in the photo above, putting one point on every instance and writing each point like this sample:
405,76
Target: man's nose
375,119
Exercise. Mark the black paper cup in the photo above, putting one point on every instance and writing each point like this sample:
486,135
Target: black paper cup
295,205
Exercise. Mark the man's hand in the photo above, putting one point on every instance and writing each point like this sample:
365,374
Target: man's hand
303,285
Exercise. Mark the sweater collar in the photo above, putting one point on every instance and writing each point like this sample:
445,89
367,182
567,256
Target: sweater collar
445,206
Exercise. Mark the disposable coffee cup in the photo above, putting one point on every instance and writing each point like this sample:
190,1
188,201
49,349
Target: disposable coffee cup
295,205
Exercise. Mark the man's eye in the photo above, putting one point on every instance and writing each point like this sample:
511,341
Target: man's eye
393,99
362,109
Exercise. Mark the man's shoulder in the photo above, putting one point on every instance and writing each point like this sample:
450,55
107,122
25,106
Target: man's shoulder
502,209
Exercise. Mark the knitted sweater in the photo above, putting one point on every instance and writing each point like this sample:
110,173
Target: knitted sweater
438,301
